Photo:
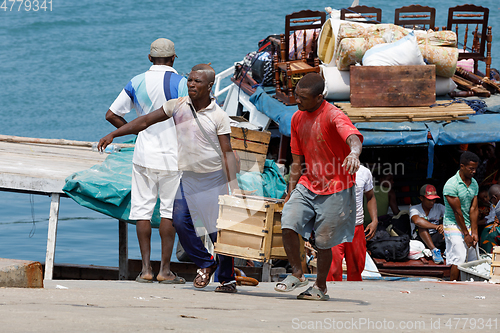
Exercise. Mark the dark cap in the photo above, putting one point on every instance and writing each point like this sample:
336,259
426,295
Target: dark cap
429,191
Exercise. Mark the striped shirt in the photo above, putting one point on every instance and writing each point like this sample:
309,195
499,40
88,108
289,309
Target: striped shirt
156,146
455,187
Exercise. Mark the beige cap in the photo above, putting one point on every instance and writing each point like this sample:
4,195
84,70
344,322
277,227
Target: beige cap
162,47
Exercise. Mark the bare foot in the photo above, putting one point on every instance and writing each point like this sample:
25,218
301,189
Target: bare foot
323,289
170,276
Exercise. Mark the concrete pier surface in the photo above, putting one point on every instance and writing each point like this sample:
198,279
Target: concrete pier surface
128,306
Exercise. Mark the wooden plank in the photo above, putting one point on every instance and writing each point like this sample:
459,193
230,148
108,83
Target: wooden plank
444,105
241,227
251,162
278,253
52,236
246,203
250,135
21,139
401,119
42,168
253,147
269,230
392,85
239,252
241,215
122,250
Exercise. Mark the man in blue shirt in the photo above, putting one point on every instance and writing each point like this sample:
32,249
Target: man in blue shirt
155,171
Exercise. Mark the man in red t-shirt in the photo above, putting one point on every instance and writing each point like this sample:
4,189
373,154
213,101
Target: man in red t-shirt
321,194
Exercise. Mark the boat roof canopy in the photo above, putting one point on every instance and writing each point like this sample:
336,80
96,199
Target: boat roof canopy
476,129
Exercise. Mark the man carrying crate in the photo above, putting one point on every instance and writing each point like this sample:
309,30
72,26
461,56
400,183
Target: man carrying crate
321,197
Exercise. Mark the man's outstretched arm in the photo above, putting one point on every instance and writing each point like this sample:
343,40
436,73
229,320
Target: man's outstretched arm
133,127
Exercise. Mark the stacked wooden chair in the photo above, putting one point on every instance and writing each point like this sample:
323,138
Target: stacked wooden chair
292,61
416,17
459,20
361,14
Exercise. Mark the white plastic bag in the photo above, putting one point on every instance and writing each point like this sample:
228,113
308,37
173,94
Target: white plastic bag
444,85
404,52
416,249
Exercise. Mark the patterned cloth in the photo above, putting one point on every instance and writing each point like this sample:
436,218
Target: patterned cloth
445,58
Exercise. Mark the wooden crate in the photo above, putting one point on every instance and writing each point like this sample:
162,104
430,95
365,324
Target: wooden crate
251,162
250,228
393,85
250,140
495,265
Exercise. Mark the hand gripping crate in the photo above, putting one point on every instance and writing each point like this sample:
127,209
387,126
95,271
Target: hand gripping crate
250,228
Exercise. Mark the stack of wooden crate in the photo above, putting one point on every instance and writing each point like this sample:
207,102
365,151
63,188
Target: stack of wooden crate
251,146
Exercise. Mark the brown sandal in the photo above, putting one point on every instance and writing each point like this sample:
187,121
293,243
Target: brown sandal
227,287
203,276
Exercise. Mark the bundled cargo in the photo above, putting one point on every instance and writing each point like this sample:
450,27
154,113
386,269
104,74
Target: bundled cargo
353,40
445,58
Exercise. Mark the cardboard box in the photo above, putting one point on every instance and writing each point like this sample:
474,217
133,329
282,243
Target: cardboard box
373,86
250,228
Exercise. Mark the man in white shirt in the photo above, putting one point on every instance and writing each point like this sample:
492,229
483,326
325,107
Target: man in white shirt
426,222
208,164
155,173
355,251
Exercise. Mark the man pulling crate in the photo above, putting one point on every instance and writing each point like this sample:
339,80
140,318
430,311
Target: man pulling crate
208,164
321,197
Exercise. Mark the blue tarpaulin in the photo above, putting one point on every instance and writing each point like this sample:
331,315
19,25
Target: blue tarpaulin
476,129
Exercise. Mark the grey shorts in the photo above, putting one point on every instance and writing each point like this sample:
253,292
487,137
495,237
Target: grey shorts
332,217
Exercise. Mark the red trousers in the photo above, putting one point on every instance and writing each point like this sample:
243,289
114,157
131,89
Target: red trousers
355,255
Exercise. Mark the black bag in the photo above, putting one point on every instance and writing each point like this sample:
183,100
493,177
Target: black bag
262,68
390,248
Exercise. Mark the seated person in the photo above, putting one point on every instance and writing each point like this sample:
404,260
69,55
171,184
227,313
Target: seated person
385,197
490,236
486,209
427,222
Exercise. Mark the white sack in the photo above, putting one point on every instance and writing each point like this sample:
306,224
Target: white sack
444,85
337,83
404,52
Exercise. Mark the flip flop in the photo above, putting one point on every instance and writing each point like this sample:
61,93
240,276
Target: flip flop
227,287
141,280
313,294
290,283
176,280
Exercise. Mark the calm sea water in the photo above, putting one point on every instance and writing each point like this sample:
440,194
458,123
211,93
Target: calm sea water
61,69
